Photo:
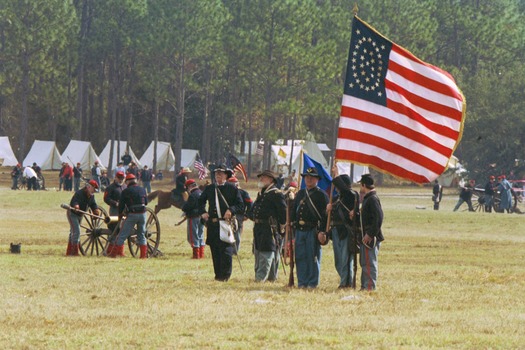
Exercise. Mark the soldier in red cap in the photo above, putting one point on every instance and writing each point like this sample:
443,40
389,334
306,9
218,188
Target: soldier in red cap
132,205
112,195
15,174
195,228
82,199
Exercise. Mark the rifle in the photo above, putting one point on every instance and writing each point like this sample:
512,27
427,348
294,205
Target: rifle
355,241
278,242
289,240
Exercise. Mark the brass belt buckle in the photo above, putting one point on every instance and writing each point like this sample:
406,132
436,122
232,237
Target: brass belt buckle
301,222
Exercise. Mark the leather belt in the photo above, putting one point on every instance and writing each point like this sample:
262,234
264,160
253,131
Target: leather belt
306,223
137,212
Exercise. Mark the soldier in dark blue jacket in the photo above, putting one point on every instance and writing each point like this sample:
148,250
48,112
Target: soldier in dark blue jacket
195,228
132,205
82,200
241,216
309,217
343,228
230,203
372,220
268,214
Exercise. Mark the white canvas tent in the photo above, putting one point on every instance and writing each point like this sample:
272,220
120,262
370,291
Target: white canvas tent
81,152
104,155
187,158
45,154
165,156
281,156
6,152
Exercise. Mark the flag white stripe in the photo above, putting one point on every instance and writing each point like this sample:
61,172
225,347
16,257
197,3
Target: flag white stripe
387,113
424,92
422,69
425,113
385,155
394,137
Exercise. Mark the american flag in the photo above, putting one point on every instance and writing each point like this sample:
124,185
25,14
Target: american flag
200,167
399,114
236,165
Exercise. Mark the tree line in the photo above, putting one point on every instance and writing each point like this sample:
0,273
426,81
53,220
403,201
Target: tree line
206,74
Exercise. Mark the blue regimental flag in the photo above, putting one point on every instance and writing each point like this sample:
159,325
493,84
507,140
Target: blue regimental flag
326,180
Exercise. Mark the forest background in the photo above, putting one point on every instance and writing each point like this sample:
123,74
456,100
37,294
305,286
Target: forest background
206,74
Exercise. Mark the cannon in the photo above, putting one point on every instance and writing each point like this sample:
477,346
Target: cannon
96,233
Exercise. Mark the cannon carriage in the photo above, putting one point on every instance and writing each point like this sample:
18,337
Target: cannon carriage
97,233
478,200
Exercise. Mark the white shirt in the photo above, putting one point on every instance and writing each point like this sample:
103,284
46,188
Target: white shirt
29,172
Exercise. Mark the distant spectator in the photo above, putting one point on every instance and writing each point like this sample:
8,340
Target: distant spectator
77,177
126,160
95,173
60,177
146,176
159,176
104,180
67,174
120,167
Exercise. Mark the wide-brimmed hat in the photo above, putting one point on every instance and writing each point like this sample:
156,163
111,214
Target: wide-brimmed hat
269,174
185,170
312,171
367,180
223,168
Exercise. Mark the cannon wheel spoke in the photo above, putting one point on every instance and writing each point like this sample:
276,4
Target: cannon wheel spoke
93,241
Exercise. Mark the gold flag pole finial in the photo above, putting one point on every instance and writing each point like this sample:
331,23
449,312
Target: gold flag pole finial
356,9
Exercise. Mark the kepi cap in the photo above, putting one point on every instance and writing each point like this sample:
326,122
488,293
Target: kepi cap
130,177
367,180
120,174
189,182
93,183
312,171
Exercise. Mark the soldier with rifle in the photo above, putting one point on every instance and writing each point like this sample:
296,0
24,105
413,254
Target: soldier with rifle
309,216
343,228
268,214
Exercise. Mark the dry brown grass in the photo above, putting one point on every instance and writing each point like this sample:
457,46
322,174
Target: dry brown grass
447,280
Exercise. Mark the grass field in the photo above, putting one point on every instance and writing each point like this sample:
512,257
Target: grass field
446,280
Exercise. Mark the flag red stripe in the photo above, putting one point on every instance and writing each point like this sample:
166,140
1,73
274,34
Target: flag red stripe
410,132
424,103
381,164
392,147
421,79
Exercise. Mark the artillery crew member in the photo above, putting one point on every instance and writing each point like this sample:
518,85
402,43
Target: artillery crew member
15,174
489,194
133,201
372,220
230,203
195,228
309,215
112,196
268,214
82,199
344,229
